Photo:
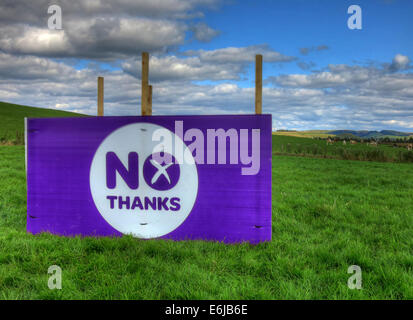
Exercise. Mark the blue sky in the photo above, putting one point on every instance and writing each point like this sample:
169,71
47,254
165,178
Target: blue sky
318,74
289,25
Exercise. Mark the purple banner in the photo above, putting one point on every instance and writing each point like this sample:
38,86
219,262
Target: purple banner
171,177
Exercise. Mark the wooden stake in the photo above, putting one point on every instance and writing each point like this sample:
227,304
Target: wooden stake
145,81
258,84
100,96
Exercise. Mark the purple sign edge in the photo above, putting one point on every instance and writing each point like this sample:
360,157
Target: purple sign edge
183,232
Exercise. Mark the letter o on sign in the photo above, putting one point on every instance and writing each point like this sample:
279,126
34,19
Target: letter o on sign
166,191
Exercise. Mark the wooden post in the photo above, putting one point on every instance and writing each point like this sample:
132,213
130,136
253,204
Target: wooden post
145,81
258,84
100,96
149,106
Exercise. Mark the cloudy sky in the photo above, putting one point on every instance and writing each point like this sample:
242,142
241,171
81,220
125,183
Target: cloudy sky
318,73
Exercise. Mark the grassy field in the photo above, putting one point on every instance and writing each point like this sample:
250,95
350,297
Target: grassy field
305,134
291,145
327,215
322,134
12,119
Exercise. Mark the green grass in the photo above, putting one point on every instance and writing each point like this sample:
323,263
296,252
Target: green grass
327,215
12,119
326,134
290,145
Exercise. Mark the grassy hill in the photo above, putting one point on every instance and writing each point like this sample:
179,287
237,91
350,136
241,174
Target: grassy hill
12,119
365,134
305,134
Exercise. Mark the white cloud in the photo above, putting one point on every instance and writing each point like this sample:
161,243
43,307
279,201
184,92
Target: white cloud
34,12
300,108
204,33
405,124
400,62
32,67
100,29
204,65
337,75
239,54
102,38
305,51
172,67
379,100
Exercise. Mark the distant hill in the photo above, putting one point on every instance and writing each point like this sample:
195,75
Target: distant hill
304,134
12,115
394,133
365,134
347,136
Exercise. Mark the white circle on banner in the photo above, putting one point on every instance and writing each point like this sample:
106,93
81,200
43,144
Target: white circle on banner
161,199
